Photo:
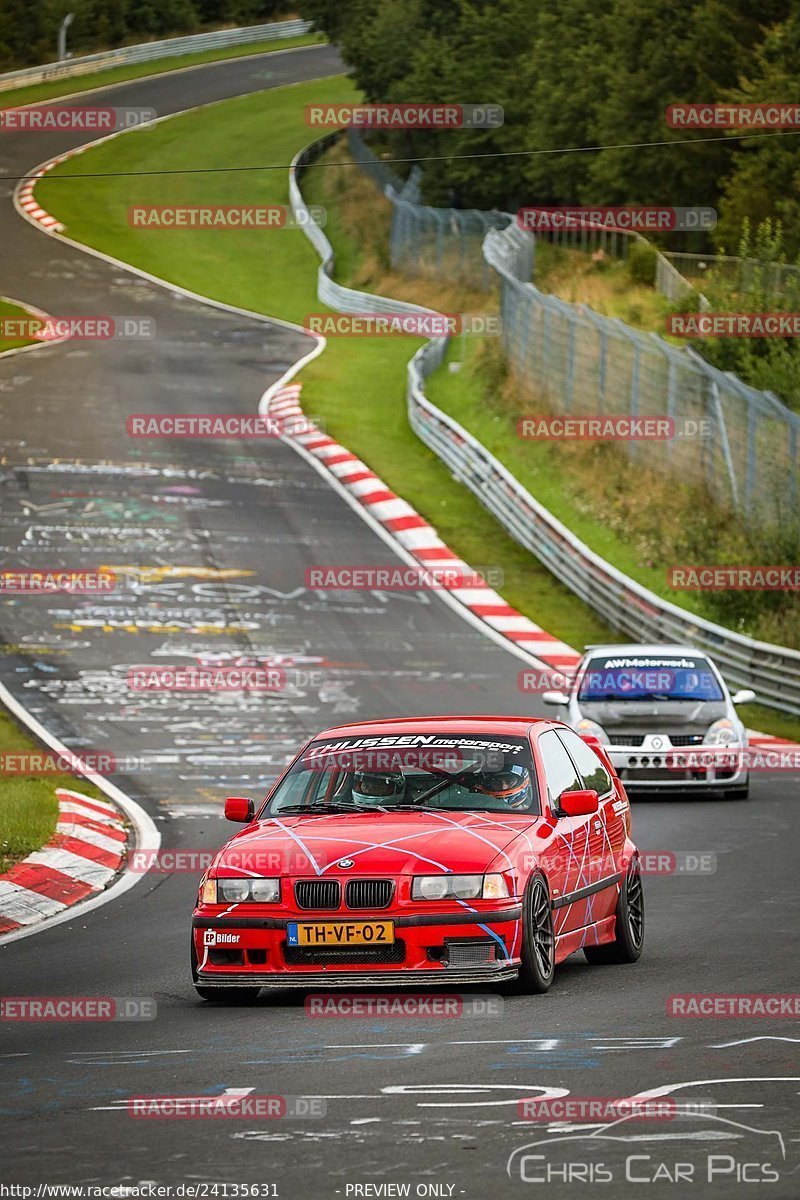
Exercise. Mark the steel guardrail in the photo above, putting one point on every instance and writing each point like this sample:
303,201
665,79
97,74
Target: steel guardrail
151,51
772,671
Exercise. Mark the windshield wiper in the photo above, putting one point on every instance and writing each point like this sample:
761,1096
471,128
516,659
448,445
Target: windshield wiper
322,809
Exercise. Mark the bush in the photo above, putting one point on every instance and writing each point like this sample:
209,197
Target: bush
642,260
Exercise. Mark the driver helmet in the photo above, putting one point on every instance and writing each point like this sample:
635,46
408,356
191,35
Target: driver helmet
371,788
512,785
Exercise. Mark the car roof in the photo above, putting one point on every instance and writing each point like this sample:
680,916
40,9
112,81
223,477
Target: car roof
649,648
512,726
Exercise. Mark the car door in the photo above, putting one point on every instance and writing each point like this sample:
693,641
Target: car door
606,831
567,856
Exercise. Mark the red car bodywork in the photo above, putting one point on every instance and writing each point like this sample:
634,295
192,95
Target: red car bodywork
582,858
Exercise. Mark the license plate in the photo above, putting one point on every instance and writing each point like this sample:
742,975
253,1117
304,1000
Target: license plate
340,933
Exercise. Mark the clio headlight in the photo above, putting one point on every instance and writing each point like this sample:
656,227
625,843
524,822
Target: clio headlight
592,728
721,733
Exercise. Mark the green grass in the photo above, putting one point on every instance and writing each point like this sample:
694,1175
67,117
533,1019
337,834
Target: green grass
39,92
357,387
15,312
28,805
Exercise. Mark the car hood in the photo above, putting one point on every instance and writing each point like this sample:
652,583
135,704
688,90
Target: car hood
686,716
394,844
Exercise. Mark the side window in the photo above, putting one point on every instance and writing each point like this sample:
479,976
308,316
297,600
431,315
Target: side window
559,770
594,774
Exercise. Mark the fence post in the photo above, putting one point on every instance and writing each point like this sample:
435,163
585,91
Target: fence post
570,381
723,437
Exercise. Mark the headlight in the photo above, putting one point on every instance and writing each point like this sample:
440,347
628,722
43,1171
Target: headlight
240,891
459,887
591,727
722,733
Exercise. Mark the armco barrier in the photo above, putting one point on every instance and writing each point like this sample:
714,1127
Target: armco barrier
149,51
772,671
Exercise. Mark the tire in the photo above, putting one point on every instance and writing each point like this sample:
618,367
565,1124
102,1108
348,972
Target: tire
740,793
629,925
221,995
538,939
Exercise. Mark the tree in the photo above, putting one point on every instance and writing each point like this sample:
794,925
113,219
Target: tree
765,179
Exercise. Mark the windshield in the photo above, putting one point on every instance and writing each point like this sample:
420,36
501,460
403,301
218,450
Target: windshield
648,678
423,772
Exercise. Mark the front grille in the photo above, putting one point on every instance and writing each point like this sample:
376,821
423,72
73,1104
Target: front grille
302,956
637,739
368,893
318,893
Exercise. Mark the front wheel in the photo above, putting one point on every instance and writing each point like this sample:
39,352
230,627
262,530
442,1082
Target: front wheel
629,924
538,939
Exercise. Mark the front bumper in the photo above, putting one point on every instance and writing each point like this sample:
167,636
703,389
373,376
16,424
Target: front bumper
429,950
696,768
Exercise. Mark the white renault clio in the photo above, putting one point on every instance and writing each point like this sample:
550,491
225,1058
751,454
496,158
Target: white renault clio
665,716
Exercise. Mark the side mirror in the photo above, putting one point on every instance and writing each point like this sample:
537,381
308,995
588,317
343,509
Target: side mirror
560,698
579,804
743,696
239,808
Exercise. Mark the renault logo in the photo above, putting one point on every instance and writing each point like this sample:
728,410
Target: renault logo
345,863
656,743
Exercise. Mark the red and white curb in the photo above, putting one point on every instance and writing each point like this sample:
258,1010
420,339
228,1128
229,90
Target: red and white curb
416,535
82,858
28,202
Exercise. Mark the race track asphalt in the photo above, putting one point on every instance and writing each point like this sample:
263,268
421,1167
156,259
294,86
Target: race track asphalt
425,1103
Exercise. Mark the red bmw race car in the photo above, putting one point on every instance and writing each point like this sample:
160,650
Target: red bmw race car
430,850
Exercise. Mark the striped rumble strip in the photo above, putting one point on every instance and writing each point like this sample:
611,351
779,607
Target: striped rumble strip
415,535
82,858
